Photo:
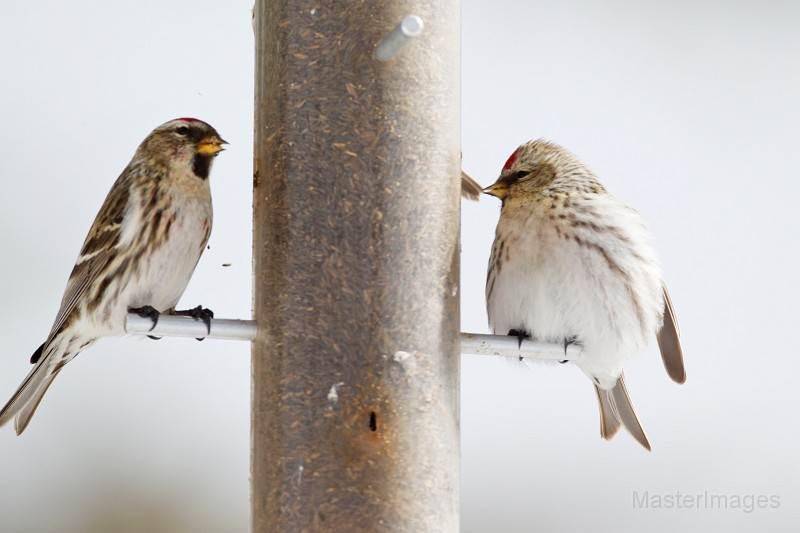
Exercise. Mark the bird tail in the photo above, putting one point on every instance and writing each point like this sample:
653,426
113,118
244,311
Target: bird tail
470,188
24,402
615,410
609,423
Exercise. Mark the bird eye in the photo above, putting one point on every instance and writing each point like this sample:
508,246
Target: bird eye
181,130
518,175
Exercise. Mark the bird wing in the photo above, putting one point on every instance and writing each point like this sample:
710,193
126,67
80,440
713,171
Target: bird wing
97,252
99,249
669,343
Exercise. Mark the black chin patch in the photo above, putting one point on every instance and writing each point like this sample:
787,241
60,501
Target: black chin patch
201,165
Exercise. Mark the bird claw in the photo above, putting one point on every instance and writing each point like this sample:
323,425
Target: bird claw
198,313
569,341
147,311
520,335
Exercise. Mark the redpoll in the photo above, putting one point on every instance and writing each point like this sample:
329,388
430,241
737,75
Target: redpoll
139,254
572,264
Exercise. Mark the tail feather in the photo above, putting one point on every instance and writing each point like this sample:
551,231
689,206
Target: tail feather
616,410
26,399
623,409
609,422
25,414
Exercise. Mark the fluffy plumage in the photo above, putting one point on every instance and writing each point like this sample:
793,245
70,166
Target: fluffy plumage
570,262
141,250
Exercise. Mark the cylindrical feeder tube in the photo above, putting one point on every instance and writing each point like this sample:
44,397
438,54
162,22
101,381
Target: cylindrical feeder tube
355,394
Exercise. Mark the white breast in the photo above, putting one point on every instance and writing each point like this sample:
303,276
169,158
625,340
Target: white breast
162,273
554,288
169,268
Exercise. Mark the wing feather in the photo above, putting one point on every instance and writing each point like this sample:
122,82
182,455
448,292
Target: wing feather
670,344
97,251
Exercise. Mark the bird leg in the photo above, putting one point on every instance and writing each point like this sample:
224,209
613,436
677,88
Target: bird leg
520,335
198,313
568,341
147,311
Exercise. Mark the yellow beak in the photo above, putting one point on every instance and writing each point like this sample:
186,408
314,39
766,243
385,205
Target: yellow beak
498,189
210,146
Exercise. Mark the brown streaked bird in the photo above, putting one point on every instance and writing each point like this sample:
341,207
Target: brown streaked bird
139,254
573,264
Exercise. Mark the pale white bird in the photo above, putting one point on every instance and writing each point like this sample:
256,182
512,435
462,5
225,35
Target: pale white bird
139,254
573,264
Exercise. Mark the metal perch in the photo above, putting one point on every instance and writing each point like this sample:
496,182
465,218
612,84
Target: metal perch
245,330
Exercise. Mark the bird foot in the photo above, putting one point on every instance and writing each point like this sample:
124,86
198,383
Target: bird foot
520,335
198,313
147,311
569,341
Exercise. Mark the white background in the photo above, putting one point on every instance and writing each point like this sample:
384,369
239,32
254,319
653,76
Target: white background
688,111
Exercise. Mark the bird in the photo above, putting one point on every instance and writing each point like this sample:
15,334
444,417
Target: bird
138,256
572,264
